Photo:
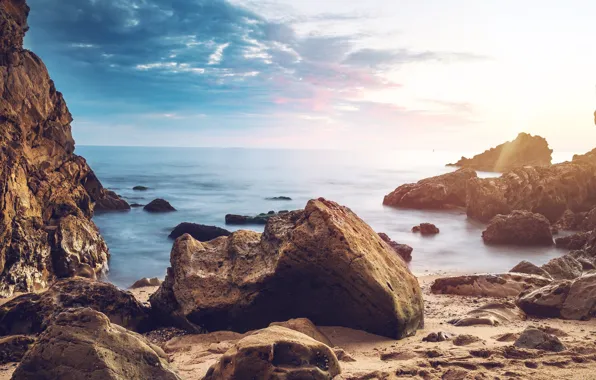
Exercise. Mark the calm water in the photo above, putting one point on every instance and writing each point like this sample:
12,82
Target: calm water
204,184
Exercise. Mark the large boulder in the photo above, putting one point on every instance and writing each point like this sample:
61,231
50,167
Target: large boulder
441,192
83,344
524,150
31,313
488,285
404,250
518,228
42,181
200,232
276,353
322,263
568,299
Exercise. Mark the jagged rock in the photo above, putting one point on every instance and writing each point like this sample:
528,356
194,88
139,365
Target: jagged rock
534,339
322,263
465,339
110,201
575,241
492,314
488,285
434,337
262,218
523,151
159,205
588,222
570,221
200,232
426,229
518,228
306,327
276,352
563,268
13,348
441,192
144,282
32,312
281,198
140,188
83,344
41,180
549,191
587,261
343,356
404,250
529,268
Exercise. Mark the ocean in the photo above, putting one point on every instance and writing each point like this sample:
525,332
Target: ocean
205,184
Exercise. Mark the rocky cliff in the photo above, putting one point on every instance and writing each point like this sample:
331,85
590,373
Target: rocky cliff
47,193
524,150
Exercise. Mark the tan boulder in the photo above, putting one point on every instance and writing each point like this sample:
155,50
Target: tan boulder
306,327
322,263
276,353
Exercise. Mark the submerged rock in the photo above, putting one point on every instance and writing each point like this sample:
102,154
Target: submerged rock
519,228
488,285
140,188
523,151
322,263
404,250
159,205
83,344
276,352
200,232
32,312
442,192
426,229
535,339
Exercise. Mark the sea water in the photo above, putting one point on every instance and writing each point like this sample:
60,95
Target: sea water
205,184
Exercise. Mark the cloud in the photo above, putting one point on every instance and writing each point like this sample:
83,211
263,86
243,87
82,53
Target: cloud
379,58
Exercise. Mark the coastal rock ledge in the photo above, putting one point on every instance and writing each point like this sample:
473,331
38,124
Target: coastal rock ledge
322,263
42,181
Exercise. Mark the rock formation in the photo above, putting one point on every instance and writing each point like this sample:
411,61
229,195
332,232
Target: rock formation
575,241
83,344
199,232
31,313
441,192
529,268
535,339
488,285
404,250
322,263
276,353
563,268
159,205
525,150
426,229
519,228
492,314
13,348
262,218
41,180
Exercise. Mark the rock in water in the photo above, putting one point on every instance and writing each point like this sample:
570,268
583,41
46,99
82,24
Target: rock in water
525,150
441,192
31,313
536,339
322,263
83,344
519,228
426,229
159,205
140,188
41,180
200,232
276,353
492,314
404,250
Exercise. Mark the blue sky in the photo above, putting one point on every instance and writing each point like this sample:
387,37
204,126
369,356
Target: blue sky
443,74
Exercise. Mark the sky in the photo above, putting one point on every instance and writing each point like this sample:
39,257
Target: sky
333,74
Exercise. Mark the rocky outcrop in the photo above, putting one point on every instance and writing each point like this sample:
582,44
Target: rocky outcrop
519,228
83,344
525,150
488,285
41,180
199,232
159,205
322,263
442,192
31,313
570,221
404,250
575,241
568,299
529,268
535,339
13,348
426,229
563,268
276,353
262,218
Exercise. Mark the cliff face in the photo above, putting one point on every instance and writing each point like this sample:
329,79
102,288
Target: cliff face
47,193
524,150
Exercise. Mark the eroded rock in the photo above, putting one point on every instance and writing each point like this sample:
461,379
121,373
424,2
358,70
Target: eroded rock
159,205
426,229
519,228
492,314
529,268
563,268
488,285
535,339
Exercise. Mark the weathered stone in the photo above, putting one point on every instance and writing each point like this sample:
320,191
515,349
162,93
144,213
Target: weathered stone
144,282
563,268
434,337
262,218
83,344
546,301
426,229
465,339
529,268
488,285
441,192
306,327
31,313
276,353
492,314
403,250
200,232
518,228
13,348
159,205
575,241
322,263
532,338
523,151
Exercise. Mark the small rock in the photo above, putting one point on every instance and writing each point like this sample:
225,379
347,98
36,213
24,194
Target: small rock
136,205
535,339
426,229
140,188
144,282
199,232
465,339
159,205
280,198
437,337
342,355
